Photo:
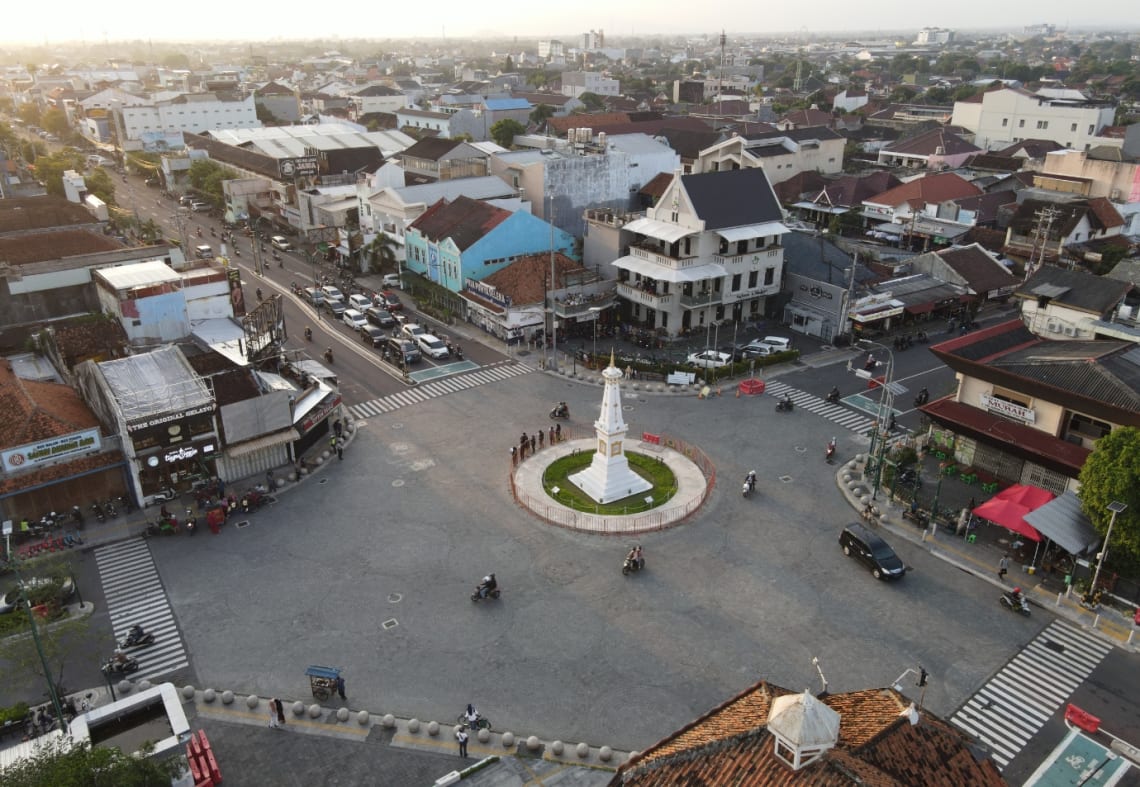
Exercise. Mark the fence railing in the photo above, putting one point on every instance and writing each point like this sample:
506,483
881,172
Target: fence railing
664,516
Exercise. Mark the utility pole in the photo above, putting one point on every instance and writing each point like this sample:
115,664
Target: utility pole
1042,225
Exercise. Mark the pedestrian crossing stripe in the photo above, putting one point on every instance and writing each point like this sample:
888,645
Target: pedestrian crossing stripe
134,594
442,387
835,413
1015,704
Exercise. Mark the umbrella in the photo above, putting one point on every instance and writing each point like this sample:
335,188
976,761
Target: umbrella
1032,497
1008,514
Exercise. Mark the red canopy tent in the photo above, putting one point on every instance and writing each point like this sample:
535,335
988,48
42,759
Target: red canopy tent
1009,507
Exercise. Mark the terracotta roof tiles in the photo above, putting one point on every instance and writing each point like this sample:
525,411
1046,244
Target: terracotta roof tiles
934,188
31,410
42,246
524,280
463,220
36,213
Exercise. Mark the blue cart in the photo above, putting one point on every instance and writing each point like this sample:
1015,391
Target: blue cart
323,680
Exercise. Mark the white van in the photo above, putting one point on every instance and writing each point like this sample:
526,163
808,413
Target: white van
359,302
391,280
204,252
778,343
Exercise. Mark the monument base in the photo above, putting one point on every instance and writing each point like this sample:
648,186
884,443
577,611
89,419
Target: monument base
609,479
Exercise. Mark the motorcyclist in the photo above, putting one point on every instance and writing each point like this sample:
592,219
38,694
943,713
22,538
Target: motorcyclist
308,334
328,354
923,396
871,362
1015,595
258,293
487,585
831,448
561,409
833,396
786,402
750,479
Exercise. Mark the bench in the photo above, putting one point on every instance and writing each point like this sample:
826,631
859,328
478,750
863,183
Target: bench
650,441
681,378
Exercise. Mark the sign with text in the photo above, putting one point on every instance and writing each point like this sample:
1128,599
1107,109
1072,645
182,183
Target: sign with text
25,456
299,167
1009,409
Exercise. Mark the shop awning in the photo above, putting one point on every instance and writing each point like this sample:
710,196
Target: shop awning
662,230
1063,521
657,272
920,308
266,441
749,231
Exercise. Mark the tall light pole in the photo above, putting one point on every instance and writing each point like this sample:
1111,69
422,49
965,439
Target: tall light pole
553,300
886,405
597,310
1115,507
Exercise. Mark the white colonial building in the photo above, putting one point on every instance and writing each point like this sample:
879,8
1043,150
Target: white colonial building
194,112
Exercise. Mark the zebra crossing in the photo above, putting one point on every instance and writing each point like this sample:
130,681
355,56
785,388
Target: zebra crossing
845,417
134,594
446,385
1016,702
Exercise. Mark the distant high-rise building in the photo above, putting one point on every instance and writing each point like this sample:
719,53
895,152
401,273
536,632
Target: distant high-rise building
934,35
1040,30
550,49
595,39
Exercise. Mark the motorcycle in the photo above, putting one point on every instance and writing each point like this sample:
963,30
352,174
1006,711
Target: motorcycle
136,638
113,666
480,595
253,500
109,508
260,297
329,355
308,334
97,510
191,522
164,496
831,451
785,406
560,410
77,516
632,565
459,352
1014,603
833,396
125,504
922,398
911,478
870,364
749,485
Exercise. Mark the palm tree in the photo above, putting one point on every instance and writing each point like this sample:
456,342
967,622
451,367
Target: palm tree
382,249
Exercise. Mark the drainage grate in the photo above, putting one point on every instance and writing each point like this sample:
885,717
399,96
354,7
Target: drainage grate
801,449
398,482
395,598
241,524
390,623
787,479
324,481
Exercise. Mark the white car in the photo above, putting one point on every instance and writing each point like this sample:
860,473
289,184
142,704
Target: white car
710,359
280,242
411,330
354,319
432,346
332,293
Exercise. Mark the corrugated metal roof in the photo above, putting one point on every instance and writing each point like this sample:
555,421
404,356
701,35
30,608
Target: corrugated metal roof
1063,520
160,381
141,274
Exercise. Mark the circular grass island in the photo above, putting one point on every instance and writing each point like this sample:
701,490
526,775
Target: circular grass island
558,486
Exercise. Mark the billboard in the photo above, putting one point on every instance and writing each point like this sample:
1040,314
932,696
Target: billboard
300,167
25,456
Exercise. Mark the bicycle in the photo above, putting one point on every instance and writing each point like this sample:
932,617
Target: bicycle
481,723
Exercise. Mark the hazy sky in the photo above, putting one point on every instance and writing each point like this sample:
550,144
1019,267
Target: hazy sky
67,20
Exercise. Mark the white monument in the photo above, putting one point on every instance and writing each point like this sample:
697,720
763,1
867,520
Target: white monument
609,478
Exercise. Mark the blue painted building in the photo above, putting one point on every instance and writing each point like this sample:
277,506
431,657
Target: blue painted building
470,239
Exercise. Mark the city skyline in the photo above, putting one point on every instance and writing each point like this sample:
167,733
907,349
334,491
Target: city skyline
132,20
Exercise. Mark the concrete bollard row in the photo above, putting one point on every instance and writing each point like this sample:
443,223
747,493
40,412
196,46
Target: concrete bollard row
187,692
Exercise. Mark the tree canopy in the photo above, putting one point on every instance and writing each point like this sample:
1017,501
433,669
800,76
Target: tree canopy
592,101
504,132
1112,473
61,764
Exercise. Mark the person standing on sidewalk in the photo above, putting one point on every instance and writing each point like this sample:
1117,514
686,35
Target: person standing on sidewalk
273,713
461,736
340,688
1003,566
541,437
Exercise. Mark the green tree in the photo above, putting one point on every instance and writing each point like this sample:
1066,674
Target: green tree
63,764
540,114
50,169
381,253
55,121
592,101
206,177
101,185
29,113
1112,473
504,132
509,65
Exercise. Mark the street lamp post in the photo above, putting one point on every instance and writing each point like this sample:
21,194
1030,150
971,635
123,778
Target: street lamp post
1115,507
597,310
886,405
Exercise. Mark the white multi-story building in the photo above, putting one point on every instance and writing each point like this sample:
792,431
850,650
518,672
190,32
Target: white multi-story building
934,35
1009,115
709,251
782,154
575,83
551,49
194,112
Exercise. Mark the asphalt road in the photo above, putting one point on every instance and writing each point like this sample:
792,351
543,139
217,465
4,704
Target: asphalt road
419,510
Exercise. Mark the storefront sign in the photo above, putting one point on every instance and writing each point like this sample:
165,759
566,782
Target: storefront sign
301,166
183,452
32,454
318,413
484,290
881,314
162,419
1009,409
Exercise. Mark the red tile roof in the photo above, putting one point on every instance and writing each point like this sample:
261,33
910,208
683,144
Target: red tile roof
37,213
58,245
731,746
31,410
935,188
560,125
464,220
524,280
936,141
89,338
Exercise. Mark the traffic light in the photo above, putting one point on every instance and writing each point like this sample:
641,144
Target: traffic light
922,676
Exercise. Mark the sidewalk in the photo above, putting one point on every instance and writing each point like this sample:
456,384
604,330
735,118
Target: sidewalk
980,556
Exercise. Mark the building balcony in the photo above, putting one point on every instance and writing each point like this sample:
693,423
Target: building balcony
701,299
576,304
657,257
770,253
645,297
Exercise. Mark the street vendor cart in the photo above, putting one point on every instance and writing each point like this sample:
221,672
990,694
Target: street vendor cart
323,680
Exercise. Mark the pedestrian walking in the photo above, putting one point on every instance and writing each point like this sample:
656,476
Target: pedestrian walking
970,505
558,433
552,435
280,712
533,442
340,687
333,442
273,714
1003,566
338,427
514,455
340,451
461,736
541,437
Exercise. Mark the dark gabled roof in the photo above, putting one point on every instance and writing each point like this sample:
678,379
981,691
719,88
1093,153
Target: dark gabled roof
1099,211
560,125
849,191
795,134
1031,148
992,162
1075,289
431,148
806,256
928,142
463,220
651,127
690,142
273,89
981,271
657,185
41,246
230,154
986,205
934,188
378,90
19,214
732,198
802,185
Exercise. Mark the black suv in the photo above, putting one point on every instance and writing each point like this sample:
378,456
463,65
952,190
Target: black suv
870,550
380,317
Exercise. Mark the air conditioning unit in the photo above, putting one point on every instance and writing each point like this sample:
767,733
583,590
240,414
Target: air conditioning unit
1053,326
1115,195
1070,330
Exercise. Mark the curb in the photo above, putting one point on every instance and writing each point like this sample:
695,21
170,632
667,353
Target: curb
848,478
